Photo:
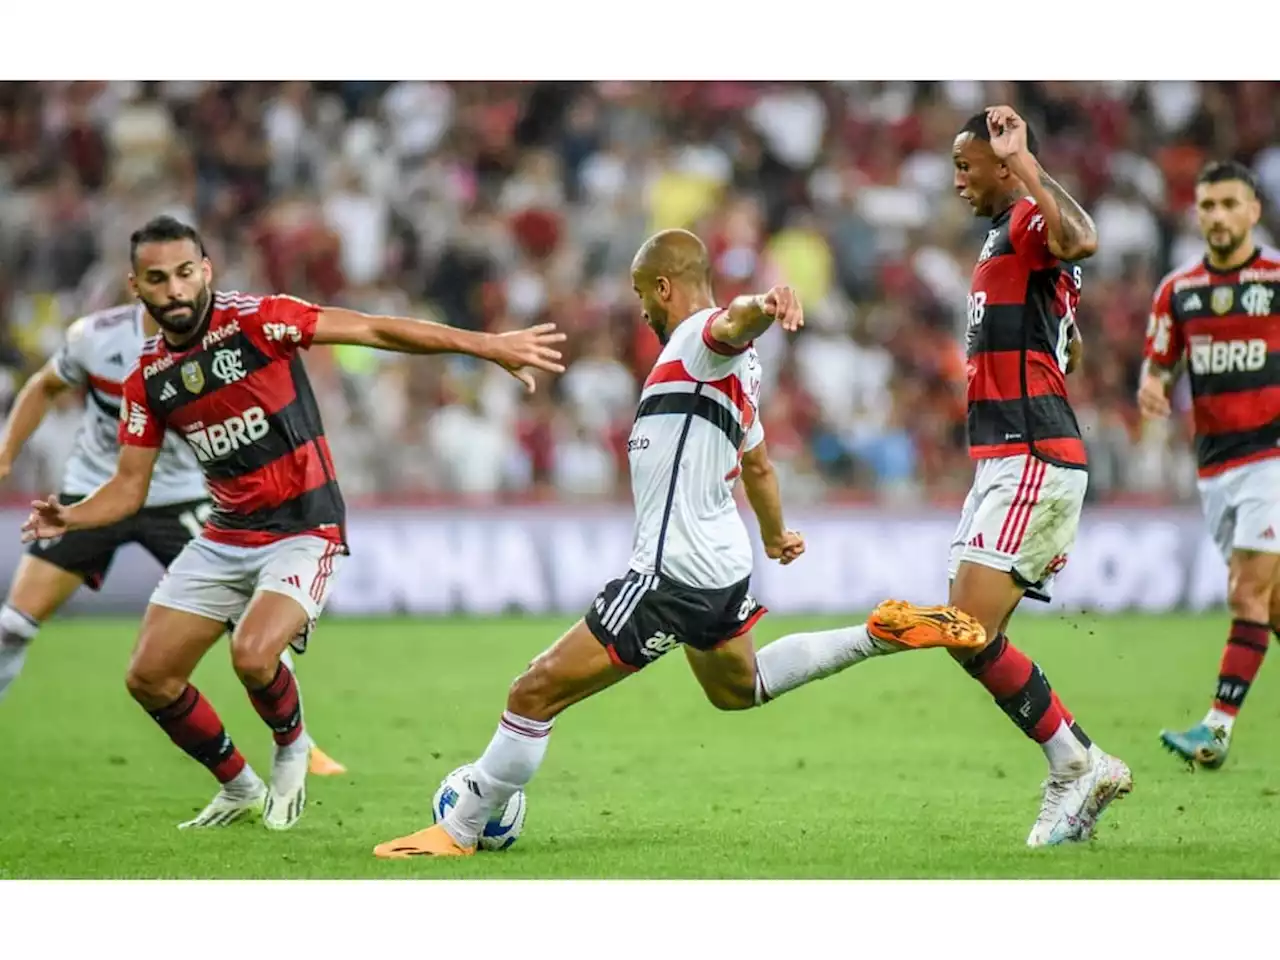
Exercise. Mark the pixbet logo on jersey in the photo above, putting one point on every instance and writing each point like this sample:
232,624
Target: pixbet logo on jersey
1226,356
220,439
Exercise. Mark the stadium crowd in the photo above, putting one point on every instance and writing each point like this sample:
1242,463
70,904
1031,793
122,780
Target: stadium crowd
492,205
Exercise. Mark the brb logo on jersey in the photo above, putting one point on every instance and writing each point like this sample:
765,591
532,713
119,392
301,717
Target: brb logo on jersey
220,439
1210,356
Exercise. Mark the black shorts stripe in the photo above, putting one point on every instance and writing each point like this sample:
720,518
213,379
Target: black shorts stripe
696,404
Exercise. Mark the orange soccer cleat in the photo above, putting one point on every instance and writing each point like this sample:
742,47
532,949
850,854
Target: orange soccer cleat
909,627
320,764
434,841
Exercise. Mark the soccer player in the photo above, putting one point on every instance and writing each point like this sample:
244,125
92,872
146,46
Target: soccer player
1021,515
1220,313
696,431
225,373
97,352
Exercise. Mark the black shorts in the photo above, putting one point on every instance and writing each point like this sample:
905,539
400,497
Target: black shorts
642,616
161,531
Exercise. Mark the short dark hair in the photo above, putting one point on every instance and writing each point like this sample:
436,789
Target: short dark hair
163,229
977,125
1222,171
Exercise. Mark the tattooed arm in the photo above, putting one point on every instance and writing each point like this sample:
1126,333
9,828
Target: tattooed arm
1070,232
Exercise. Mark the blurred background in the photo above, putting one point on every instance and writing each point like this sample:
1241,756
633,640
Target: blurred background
494,205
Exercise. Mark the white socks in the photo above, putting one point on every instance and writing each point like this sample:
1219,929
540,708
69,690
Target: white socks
16,633
1216,719
794,660
1067,756
507,764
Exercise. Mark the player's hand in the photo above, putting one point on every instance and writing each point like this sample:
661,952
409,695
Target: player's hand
6,467
48,519
531,347
783,304
784,548
1008,132
1153,400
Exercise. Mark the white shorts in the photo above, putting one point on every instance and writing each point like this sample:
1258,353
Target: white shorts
1242,507
1021,516
217,581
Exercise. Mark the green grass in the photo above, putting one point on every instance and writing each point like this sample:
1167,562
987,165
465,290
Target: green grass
897,768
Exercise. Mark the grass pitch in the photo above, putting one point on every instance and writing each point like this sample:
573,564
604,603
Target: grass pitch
897,768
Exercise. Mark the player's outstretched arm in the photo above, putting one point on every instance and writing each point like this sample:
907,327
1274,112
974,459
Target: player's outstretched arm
761,484
1071,234
513,351
747,317
29,409
120,497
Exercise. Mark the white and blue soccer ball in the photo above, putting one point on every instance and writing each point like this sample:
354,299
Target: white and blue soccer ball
503,828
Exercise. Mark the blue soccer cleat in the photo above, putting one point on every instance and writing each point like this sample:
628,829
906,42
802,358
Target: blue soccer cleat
1199,745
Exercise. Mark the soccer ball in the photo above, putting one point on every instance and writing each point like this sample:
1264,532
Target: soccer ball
503,828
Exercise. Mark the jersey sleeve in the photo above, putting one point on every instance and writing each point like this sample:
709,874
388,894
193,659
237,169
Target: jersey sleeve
755,436
69,361
1164,343
282,325
1030,237
139,426
706,357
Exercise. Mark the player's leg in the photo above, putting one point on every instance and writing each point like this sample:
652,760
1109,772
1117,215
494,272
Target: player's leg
1022,524
736,676
40,587
594,654
170,645
292,580
1243,511
164,532
197,597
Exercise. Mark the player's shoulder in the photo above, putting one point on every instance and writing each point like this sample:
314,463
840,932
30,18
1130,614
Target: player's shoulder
1267,262
1025,216
1191,272
103,322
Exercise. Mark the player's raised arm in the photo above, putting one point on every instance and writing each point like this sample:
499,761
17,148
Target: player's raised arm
761,483
1071,234
29,409
513,351
747,317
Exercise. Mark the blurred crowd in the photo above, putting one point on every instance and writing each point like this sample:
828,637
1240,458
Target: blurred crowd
495,205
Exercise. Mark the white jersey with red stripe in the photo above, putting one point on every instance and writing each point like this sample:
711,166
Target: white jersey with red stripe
98,352
696,418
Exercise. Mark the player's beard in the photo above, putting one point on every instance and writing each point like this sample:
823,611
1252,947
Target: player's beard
659,327
1224,250
182,324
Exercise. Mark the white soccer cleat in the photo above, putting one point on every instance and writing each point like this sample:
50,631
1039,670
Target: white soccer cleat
288,792
1072,805
226,808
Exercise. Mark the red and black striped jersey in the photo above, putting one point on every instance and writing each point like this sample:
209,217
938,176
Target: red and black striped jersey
240,397
1021,312
1227,324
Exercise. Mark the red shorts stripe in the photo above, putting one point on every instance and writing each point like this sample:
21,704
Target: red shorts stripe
324,569
1032,500
1017,500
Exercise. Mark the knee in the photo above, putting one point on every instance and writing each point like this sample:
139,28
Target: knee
1251,600
152,685
255,658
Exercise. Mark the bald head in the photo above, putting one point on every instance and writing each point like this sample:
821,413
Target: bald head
677,255
671,274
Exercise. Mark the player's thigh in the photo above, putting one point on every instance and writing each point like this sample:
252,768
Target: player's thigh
575,667
291,587
1020,537
85,554
726,672
207,580
164,532
40,587
716,633
170,644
